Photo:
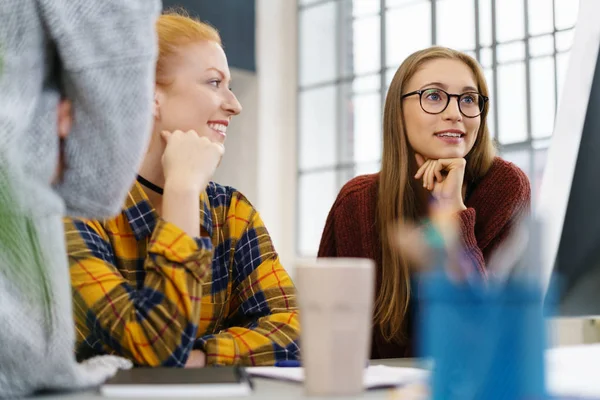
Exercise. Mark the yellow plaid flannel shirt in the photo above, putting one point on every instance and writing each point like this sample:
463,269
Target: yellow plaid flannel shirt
145,290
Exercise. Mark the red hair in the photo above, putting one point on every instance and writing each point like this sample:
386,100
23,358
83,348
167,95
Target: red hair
176,29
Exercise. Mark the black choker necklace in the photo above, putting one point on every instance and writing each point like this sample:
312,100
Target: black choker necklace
150,185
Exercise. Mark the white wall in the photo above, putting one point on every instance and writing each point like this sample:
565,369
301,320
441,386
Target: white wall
260,157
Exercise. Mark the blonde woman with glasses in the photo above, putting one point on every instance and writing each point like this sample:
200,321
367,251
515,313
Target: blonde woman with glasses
436,148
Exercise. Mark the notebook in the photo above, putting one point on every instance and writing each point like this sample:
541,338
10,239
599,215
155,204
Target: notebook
178,382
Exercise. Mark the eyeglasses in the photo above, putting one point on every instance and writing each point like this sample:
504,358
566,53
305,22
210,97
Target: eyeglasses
435,101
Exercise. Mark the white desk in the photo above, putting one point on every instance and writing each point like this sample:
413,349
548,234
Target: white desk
572,371
263,388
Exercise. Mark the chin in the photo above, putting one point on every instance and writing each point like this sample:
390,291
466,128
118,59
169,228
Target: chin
444,154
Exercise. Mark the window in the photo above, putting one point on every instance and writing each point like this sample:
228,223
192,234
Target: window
349,51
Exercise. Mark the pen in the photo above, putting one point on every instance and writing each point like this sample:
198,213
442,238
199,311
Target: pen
288,363
293,363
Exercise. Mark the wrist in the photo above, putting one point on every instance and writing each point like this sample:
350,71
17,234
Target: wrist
452,206
183,184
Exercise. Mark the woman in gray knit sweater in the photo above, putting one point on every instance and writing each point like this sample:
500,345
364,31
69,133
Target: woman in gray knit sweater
100,54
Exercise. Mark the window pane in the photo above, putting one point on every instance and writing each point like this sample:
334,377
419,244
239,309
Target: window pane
541,46
367,168
564,40
412,21
491,117
510,20
510,52
366,45
305,2
456,24
566,13
539,163
399,3
367,84
367,127
318,127
540,16
389,77
364,7
485,55
512,123
318,50
542,97
522,159
562,63
485,22
317,194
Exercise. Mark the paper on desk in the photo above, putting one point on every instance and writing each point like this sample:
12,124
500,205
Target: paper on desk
376,376
574,371
571,371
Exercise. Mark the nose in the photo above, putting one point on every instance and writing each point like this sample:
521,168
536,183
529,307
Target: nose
231,104
452,112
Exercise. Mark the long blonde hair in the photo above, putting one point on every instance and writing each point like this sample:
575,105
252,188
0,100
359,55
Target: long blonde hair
397,200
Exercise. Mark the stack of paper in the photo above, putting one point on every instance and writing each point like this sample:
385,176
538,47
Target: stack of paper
377,376
572,371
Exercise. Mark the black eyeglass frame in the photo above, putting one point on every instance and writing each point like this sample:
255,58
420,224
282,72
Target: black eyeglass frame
458,96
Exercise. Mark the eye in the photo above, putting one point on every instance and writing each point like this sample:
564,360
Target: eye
433,95
215,82
469,99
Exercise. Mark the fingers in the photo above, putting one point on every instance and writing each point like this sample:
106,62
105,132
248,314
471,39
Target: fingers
421,170
425,173
166,135
428,175
431,175
452,163
438,175
431,171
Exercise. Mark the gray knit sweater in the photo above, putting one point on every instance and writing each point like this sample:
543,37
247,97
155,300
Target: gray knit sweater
101,55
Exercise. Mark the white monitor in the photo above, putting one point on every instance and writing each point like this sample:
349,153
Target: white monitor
569,202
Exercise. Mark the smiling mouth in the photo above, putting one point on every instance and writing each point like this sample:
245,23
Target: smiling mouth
219,128
450,134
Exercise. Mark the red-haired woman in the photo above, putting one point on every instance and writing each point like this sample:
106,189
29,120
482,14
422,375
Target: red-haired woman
186,275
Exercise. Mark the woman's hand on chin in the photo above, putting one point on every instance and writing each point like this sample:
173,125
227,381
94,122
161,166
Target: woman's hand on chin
444,178
189,159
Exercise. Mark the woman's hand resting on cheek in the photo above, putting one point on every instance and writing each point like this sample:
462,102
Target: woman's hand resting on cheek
444,179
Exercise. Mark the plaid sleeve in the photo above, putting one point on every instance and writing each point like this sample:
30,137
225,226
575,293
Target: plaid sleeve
152,324
263,325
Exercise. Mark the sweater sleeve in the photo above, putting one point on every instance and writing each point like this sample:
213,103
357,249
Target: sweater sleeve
500,200
107,51
327,245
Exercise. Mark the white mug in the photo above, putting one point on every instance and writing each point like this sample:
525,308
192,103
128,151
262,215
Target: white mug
335,296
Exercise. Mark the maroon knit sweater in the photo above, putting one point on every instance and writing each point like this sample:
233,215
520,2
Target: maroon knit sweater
493,202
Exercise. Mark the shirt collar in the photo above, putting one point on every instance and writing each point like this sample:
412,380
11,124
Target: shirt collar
142,217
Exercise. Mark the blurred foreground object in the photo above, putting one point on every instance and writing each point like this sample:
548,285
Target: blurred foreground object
101,56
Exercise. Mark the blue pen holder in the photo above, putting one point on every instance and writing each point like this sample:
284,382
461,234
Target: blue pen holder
485,342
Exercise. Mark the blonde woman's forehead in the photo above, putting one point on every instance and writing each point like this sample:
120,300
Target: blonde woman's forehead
206,55
447,74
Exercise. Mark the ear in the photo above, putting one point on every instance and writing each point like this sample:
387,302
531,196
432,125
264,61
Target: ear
65,118
156,105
